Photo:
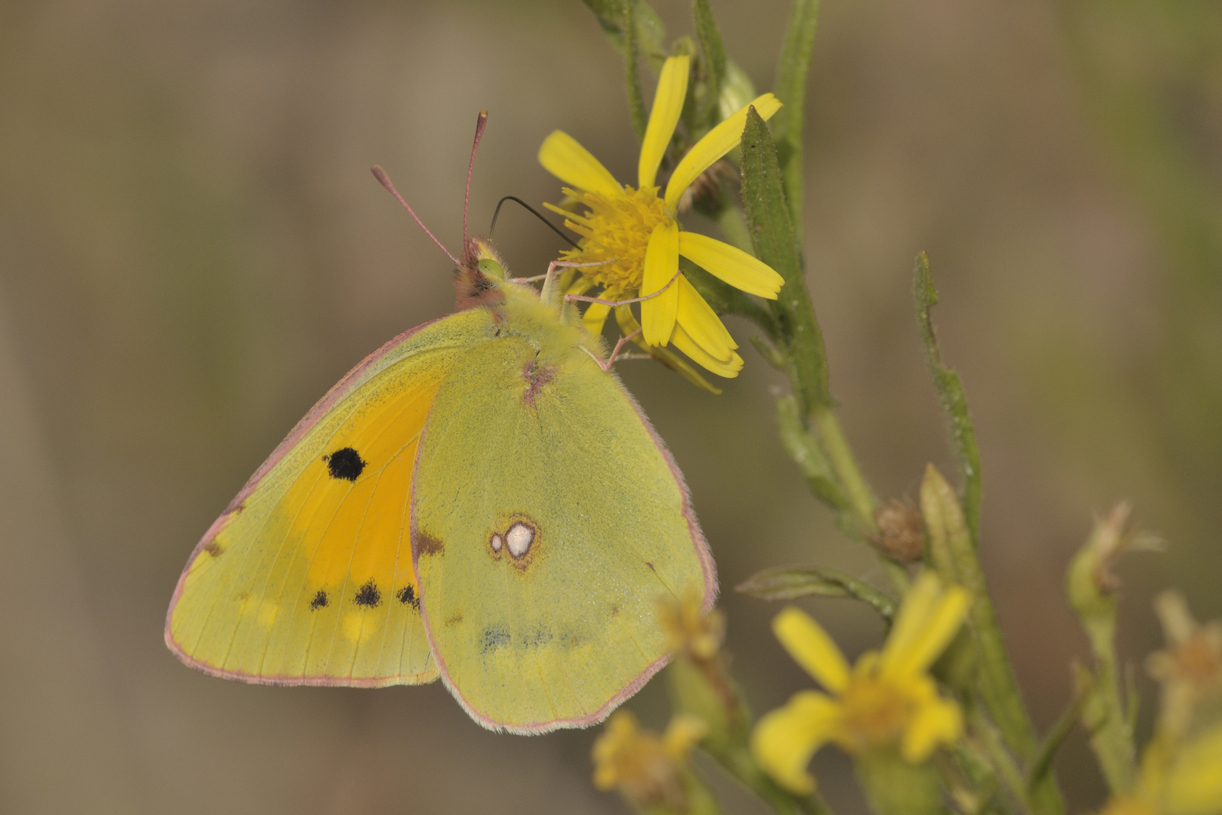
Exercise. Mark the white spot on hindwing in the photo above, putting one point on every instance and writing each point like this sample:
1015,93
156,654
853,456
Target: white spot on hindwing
519,538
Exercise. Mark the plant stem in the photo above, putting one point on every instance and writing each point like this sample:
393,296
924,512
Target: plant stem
861,500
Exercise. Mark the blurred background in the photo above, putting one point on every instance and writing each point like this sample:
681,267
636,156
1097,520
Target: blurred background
192,250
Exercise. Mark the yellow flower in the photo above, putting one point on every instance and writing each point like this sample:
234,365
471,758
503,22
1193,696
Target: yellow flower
634,237
1190,669
884,702
648,769
1176,779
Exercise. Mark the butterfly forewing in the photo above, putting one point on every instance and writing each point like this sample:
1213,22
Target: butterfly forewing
307,578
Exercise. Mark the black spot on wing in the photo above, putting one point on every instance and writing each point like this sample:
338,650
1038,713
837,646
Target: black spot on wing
319,601
368,595
213,548
538,637
344,464
495,636
407,596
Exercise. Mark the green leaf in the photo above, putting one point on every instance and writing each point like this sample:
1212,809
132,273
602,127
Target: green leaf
804,448
792,583
776,243
954,403
713,58
650,32
792,72
948,543
1041,766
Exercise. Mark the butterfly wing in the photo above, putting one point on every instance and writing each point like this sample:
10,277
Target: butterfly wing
547,521
307,577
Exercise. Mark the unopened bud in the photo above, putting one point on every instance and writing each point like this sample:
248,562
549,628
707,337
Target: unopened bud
901,532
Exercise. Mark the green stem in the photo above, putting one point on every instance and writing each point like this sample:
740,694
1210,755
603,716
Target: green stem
999,757
861,499
742,767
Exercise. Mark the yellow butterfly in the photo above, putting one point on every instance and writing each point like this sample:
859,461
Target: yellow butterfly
480,499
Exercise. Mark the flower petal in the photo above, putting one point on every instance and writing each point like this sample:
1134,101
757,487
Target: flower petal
564,158
938,722
681,340
786,738
1194,785
595,317
661,266
628,325
715,144
667,105
702,323
731,264
683,733
939,628
812,648
914,611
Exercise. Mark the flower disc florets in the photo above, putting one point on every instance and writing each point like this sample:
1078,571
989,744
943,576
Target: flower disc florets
615,234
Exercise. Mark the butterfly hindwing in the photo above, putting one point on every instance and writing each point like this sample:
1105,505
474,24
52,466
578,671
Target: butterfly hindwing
307,578
548,520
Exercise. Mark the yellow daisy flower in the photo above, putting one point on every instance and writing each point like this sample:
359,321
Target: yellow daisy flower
886,701
634,237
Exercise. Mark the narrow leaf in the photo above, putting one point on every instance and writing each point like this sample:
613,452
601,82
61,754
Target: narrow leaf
954,403
776,243
792,583
650,32
1041,765
791,89
712,58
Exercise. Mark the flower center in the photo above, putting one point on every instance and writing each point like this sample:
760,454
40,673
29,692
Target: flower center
615,233
875,713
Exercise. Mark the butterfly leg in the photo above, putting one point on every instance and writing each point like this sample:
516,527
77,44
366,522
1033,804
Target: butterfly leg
615,352
569,298
550,278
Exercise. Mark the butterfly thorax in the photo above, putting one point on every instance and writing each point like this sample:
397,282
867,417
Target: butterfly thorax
483,281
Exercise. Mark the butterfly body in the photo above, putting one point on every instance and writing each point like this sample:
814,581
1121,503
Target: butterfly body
478,500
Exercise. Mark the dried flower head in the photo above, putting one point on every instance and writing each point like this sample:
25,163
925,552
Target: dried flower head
646,768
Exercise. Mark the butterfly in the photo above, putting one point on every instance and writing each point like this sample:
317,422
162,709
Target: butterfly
479,500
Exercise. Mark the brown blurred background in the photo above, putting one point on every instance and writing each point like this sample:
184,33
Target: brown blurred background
192,250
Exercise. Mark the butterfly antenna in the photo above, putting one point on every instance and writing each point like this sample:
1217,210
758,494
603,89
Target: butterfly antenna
466,199
384,180
532,211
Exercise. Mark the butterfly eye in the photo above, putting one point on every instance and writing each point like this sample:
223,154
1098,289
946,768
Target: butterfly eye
492,268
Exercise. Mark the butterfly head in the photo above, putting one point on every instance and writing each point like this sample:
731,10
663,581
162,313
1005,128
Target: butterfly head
481,275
